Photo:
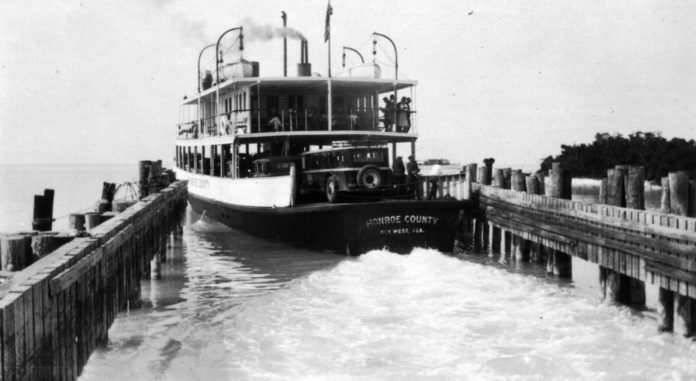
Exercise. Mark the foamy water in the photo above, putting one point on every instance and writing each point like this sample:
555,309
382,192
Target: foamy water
234,307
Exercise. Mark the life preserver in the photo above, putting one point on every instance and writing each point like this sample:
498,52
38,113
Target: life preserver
369,176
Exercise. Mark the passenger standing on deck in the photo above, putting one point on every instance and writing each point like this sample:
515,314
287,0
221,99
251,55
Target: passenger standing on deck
413,182
275,121
403,123
388,111
399,174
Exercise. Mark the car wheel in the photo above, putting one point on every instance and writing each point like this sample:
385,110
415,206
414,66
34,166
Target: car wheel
369,177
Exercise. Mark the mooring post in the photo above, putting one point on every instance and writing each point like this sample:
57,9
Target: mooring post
76,223
517,183
43,211
13,252
499,178
603,186
507,172
635,187
615,188
692,198
541,179
665,199
679,192
532,184
557,181
143,174
489,169
92,220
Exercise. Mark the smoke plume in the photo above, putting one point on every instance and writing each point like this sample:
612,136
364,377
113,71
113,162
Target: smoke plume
265,32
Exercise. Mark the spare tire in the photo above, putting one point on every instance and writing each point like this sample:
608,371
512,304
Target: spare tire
369,176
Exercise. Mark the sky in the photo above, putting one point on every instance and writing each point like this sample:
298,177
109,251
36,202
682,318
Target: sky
102,81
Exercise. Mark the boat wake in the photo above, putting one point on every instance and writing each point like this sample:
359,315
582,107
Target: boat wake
429,315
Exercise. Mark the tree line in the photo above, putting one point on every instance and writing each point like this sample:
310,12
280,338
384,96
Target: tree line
649,149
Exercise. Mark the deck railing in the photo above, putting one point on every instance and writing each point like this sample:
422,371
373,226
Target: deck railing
291,120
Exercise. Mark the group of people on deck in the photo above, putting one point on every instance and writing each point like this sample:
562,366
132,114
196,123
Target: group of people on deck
406,178
397,112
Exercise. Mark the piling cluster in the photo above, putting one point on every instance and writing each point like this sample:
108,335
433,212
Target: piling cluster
531,218
152,177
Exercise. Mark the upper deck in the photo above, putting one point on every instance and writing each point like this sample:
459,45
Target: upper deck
257,109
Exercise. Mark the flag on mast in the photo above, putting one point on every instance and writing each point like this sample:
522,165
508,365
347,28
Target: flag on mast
327,31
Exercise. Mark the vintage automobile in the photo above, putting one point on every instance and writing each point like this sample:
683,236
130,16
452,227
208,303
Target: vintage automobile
352,173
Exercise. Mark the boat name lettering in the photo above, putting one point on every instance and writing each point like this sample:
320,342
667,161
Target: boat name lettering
199,183
398,219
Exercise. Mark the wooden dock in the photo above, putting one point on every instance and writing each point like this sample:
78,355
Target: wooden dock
632,247
55,312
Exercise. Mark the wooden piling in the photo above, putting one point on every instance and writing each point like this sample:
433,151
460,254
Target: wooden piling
615,188
635,187
683,316
665,203
679,192
76,223
692,198
561,264
143,175
517,181
541,179
92,220
603,186
499,178
507,173
471,169
12,253
532,184
481,176
488,163
43,211
557,181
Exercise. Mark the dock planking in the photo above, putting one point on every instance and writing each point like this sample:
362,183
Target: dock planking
56,312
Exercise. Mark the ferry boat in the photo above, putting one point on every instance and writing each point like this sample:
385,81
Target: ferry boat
308,159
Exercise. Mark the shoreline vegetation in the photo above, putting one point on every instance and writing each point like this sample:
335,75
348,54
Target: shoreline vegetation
649,149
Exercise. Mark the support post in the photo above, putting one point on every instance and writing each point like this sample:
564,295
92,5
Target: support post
665,310
561,264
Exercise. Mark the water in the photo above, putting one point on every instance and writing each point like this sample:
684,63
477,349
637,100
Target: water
77,189
235,307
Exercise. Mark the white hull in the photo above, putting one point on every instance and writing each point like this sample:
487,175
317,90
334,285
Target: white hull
273,191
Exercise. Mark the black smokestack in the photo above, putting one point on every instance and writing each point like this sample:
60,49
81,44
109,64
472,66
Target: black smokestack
304,68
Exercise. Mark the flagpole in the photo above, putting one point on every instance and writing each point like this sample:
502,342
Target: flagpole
327,32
